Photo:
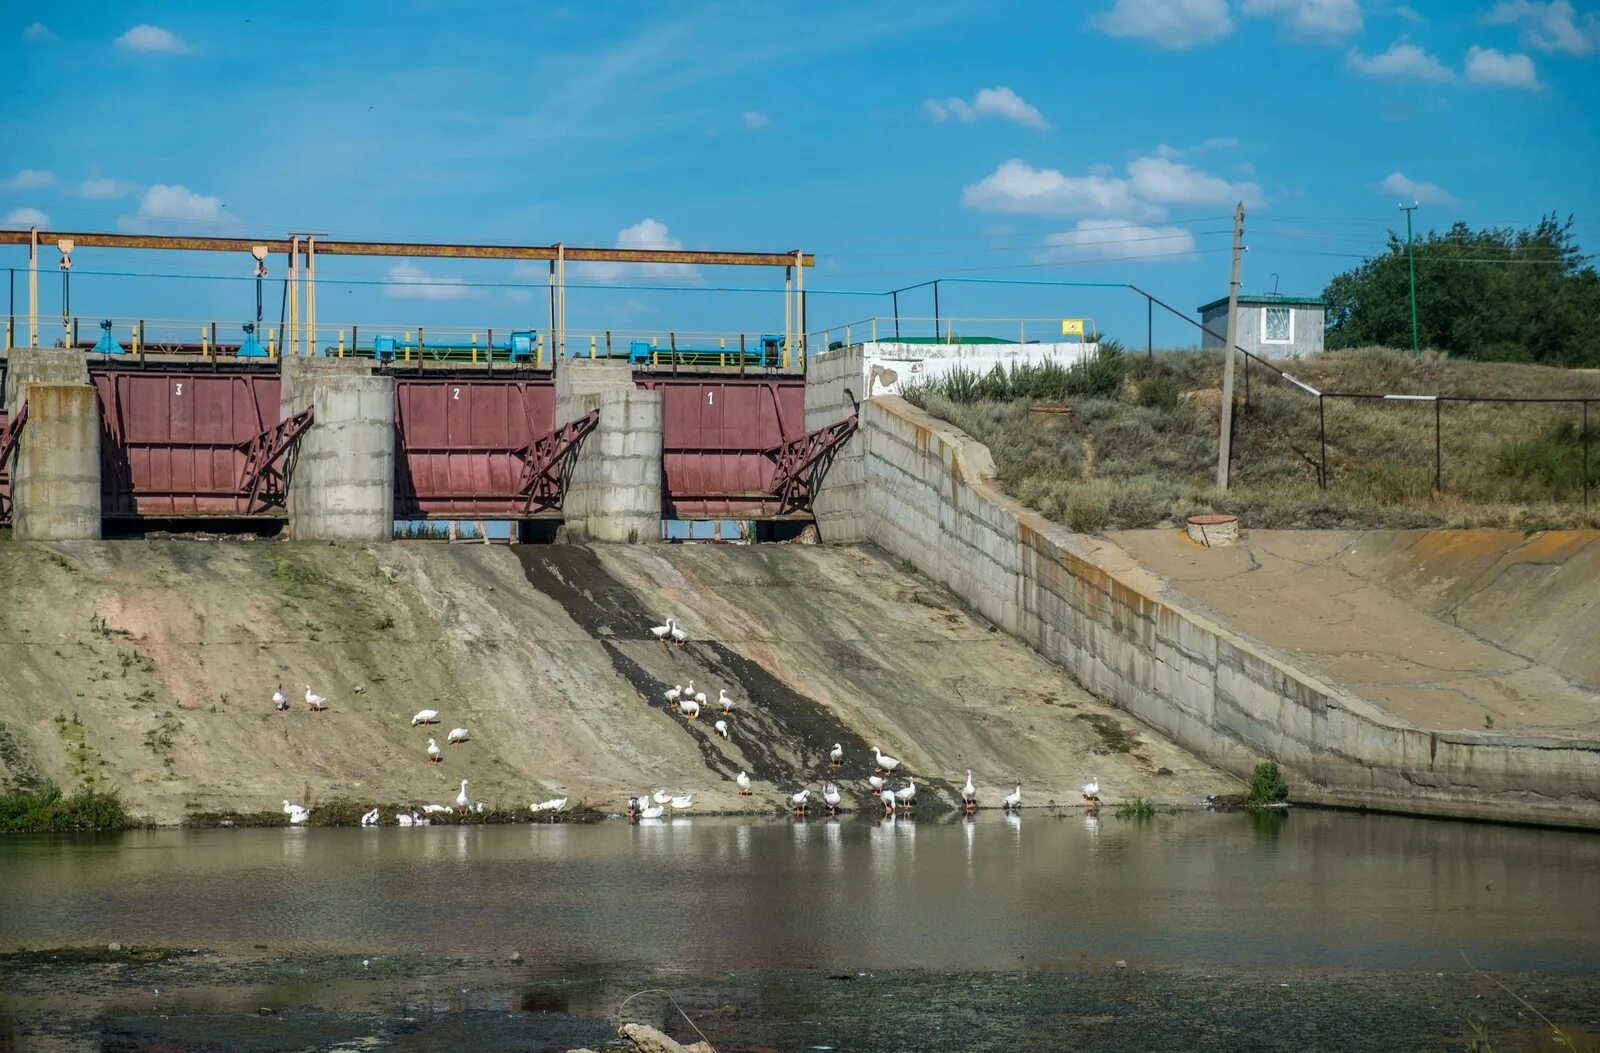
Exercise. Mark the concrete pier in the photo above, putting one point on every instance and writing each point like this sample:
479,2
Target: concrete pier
614,493
834,386
55,481
341,476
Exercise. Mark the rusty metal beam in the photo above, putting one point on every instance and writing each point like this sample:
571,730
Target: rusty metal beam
418,249
802,462
544,461
260,482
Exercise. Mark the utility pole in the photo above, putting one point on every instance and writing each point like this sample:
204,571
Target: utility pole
1411,261
1225,441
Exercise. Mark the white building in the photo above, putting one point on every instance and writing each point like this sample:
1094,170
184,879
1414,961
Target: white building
1271,326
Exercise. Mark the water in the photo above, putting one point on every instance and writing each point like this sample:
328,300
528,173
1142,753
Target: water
1036,892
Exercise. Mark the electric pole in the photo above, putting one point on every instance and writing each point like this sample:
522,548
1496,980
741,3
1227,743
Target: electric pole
1225,441
1411,262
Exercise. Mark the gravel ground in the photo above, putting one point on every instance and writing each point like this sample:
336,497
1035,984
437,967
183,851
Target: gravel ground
200,1001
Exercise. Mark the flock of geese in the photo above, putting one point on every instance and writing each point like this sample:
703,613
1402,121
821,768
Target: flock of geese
682,698
424,718
895,800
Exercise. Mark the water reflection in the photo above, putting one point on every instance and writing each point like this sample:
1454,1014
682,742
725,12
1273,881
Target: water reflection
1305,887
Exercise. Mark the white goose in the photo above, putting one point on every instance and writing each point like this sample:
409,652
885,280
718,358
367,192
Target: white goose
836,756
462,800
691,707
674,694
907,794
661,797
405,819
831,797
684,803
652,811
370,818
431,809
678,635
662,632
885,763
721,728
296,813
1013,799
724,701
1091,789
435,754
969,793
888,799
425,716
876,782
457,735
799,800
315,701
743,782
279,702
555,804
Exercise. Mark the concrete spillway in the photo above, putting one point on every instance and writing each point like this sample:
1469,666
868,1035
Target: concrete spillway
151,665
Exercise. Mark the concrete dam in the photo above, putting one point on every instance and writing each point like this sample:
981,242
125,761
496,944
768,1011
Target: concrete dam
939,619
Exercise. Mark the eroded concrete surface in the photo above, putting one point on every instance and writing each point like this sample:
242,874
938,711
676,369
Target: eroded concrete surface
1447,629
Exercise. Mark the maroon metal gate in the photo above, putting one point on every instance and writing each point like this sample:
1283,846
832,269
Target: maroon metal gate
6,447
718,438
462,446
186,444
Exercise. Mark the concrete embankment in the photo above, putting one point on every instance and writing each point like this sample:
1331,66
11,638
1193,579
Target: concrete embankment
926,495
150,665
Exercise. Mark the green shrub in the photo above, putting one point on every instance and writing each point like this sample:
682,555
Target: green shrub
1266,784
1088,508
1138,808
1159,391
1553,458
46,810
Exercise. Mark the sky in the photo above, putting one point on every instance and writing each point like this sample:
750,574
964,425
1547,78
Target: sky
1077,141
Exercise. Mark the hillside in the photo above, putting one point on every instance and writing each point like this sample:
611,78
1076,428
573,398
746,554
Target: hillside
148,667
1137,446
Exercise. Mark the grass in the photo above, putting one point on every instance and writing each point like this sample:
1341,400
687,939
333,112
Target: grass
45,809
1142,452
1138,808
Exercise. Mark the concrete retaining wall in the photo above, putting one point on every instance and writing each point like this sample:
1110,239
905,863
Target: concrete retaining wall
927,497
55,483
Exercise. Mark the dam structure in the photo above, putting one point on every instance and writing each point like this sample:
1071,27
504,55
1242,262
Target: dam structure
937,616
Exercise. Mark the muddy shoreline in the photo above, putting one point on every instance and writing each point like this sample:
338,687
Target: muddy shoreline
195,1000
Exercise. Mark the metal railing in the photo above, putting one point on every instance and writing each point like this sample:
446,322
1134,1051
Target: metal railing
1005,329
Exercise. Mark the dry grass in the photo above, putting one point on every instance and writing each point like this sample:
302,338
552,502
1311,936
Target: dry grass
1149,457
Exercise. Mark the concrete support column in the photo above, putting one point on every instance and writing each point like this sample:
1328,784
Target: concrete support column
55,479
614,493
41,365
341,476
832,379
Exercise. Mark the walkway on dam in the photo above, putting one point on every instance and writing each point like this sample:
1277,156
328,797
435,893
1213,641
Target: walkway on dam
1442,628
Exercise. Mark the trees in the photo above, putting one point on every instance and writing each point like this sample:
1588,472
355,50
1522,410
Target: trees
1499,294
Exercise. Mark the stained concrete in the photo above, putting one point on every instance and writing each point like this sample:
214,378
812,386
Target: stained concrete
614,490
55,478
341,473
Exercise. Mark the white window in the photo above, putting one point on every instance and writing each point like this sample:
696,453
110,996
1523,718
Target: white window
1277,325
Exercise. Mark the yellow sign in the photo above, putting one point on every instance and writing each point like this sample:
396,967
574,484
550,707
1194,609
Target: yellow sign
1072,327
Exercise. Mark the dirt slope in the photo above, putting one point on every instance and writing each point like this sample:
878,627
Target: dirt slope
150,665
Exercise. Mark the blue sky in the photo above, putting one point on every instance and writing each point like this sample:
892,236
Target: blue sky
1102,140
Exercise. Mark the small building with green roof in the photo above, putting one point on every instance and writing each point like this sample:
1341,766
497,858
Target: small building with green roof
1270,325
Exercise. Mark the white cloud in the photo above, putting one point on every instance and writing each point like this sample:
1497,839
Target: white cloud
1312,19
104,188
28,179
757,121
1167,182
1552,26
37,32
1396,184
407,281
1410,14
1110,239
999,102
1163,150
645,234
152,39
1017,186
23,218
1488,66
172,209
1149,186
1169,23
1402,60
